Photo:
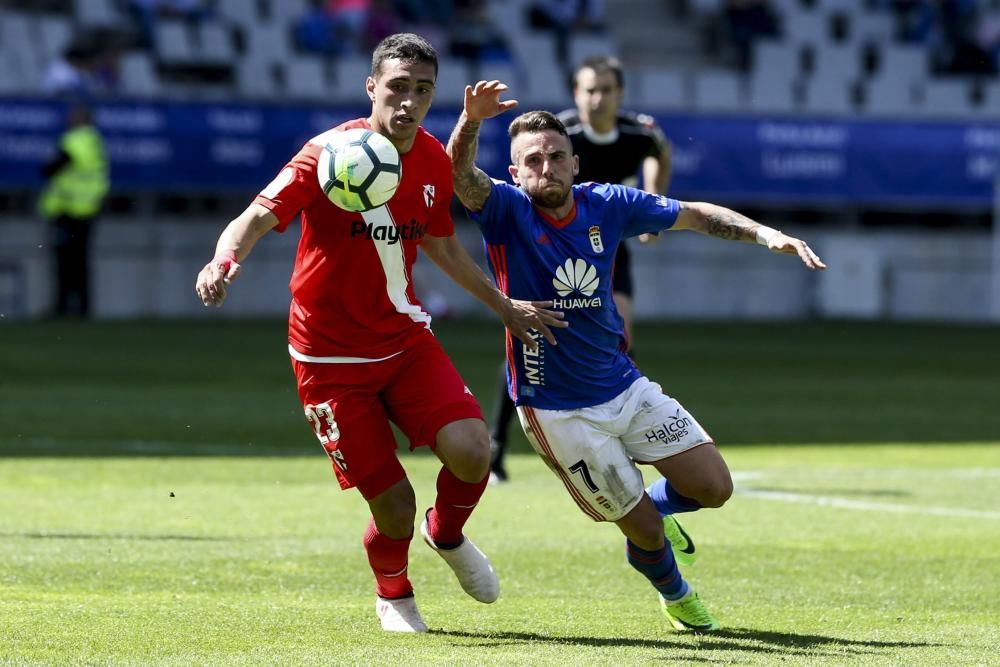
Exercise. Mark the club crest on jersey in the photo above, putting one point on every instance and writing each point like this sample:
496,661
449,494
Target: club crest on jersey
429,195
595,239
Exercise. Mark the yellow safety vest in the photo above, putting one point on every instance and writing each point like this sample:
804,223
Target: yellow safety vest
78,189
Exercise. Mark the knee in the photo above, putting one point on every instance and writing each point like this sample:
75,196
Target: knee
715,492
466,452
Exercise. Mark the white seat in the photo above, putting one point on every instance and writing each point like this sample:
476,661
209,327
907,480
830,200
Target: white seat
872,28
991,99
904,62
547,86
806,27
237,12
215,44
533,48
660,88
947,98
305,78
842,63
139,78
54,35
822,95
775,58
173,43
889,96
509,17
255,78
269,40
16,33
349,76
288,11
718,90
97,13
585,46
453,76
500,71
769,94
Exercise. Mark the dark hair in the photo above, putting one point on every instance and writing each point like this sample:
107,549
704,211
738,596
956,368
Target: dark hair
535,121
600,65
405,46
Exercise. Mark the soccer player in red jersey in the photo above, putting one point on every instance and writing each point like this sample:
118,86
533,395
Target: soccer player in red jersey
361,345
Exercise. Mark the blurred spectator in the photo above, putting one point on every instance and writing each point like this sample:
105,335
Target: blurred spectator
88,66
147,12
416,12
563,17
77,184
473,35
747,21
69,74
316,30
350,19
916,20
383,20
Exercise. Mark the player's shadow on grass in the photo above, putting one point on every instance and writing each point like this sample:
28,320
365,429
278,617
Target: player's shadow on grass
731,639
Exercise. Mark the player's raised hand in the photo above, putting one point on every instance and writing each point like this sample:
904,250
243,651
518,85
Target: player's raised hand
482,101
523,316
212,280
792,246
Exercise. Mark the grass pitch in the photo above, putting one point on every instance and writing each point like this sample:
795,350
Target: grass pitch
163,502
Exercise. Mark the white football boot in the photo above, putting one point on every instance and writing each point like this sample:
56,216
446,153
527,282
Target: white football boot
471,566
399,615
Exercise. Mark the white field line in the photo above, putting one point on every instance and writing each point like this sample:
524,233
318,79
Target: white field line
867,505
844,503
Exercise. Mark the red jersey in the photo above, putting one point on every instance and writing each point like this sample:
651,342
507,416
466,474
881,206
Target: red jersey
352,293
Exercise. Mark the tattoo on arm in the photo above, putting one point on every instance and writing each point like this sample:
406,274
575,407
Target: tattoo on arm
472,185
730,225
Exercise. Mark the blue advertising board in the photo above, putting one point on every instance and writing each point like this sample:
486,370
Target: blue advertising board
204,147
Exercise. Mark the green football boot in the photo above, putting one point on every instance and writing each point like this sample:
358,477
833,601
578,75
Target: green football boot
680,541
689,615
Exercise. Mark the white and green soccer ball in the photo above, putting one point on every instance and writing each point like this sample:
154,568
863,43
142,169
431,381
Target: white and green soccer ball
359,169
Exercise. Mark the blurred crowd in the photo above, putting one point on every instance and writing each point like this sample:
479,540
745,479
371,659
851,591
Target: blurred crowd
963,36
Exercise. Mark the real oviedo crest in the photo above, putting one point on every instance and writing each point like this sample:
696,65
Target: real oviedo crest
595,239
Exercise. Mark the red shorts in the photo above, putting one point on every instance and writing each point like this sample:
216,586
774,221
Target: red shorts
349,407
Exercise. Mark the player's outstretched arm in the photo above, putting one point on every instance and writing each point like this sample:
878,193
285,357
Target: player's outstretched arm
235,243
724,223
518,316
482,101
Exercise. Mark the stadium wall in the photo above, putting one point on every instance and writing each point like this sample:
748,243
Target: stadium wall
148,270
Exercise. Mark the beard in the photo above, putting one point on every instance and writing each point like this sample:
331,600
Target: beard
549,197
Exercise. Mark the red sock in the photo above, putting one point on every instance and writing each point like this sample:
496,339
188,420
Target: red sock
389,560
455,501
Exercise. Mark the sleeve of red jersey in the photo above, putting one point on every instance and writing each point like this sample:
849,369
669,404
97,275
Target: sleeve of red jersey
294,188
440,222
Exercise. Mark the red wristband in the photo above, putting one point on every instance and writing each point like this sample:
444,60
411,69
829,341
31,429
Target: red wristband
227,259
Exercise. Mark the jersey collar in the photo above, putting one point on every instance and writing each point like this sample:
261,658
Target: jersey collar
558,223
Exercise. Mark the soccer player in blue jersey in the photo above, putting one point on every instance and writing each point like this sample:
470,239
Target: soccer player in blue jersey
585,407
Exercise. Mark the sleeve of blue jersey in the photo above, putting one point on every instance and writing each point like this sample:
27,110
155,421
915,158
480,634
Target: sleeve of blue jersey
645,213
494,211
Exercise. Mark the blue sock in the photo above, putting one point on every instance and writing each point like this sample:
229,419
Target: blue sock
660,568
668,501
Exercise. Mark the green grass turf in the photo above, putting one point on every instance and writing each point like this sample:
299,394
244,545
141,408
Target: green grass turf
841,549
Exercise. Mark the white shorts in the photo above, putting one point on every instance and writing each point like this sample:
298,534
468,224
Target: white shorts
594,450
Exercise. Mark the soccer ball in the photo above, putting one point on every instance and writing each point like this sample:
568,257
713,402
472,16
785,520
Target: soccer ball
359,169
